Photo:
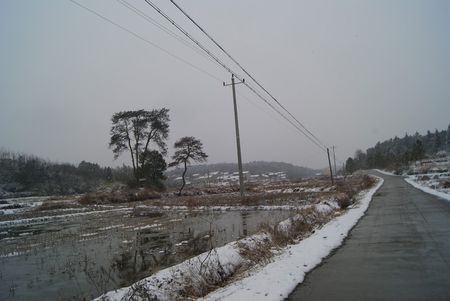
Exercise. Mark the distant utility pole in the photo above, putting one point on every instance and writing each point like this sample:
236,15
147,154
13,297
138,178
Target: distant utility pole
334,158
238,141
329,163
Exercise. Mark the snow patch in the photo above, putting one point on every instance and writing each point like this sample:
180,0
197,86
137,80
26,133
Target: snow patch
111,227
89,234
147,227
49,218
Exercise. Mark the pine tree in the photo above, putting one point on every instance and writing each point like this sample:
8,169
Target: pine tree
418,151
448,138
437,141
187,149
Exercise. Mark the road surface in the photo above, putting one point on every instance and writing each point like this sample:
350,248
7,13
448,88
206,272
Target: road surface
399,251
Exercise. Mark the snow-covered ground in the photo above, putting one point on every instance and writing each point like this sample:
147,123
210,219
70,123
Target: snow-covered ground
18,205
426,186
431,176
49,218
273,281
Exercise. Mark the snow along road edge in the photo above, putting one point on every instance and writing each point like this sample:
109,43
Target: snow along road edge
386,173
428,190
276,280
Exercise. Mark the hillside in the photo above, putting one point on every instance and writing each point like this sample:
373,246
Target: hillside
252,170
397,152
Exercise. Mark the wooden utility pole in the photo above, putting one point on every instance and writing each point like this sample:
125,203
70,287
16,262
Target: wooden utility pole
238,141
334,158
331,170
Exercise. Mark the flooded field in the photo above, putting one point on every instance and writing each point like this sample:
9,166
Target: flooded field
79,253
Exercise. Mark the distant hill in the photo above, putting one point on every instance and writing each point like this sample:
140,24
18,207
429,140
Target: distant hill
291,171
28,175
397,152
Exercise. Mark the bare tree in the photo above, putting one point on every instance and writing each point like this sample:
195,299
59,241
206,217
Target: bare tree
135,130
187,149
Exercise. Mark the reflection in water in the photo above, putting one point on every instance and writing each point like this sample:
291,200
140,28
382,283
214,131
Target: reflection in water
244,215
87,256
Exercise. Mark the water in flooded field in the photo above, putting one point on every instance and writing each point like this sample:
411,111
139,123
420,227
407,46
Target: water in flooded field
83,256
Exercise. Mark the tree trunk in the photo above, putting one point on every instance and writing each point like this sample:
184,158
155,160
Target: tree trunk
137,161
184,181
131,150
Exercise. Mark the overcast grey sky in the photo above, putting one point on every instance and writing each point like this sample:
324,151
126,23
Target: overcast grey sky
354,72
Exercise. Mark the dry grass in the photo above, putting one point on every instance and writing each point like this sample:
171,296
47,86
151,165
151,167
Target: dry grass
300,226
257,251
199,281
140,293
118,197
233,199
54,205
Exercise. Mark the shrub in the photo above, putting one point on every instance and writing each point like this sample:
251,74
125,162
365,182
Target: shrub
258,251
424,178
367,182
87,199
343,200
118,197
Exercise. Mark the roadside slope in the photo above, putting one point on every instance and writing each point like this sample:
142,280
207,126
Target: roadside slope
277,279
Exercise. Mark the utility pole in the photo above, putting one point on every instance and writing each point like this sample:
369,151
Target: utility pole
331,170
334,158
238,141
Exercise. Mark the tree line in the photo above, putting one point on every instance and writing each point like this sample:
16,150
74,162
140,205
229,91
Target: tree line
21,173
397,152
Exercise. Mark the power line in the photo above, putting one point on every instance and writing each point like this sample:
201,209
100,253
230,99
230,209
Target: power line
243,69
181,29
287,119
267,112
144,39
196,42
161,27
217,60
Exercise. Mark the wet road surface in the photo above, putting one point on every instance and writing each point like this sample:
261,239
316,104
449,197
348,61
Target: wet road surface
399,251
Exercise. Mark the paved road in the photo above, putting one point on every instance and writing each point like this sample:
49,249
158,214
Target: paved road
399,251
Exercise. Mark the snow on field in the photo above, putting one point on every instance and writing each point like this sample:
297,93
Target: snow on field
220,208
49,218
425,187
18,205
12,254
147,227
111,227
271,282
